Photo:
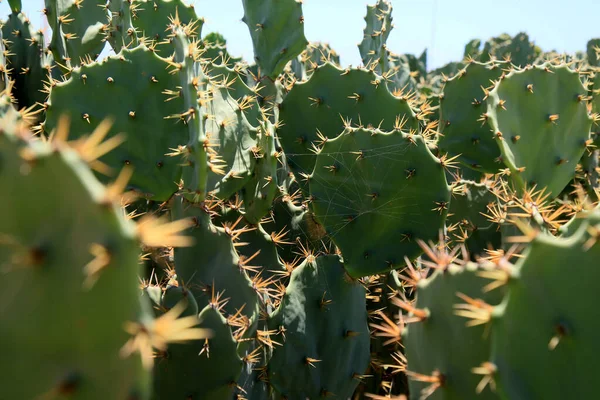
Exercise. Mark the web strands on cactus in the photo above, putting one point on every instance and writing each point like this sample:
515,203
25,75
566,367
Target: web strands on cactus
362,186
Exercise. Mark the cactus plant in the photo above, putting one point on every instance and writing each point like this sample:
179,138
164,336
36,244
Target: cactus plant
140,112
425,340
551,327
82,351
461,106
151,19
323,323
266,21
368,178
79,29
540,121
321,105
24,54
122,33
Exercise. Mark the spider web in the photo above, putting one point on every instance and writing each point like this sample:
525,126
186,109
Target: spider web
350,208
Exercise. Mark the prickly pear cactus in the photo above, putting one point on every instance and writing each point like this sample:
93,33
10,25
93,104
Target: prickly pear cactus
79,29
214,49
4,68
268,170
24,54
596,99
397,69
60,259
461,106
215,267
199,369
518,49
316,54
540,121
324,335
426,341
122,33
298,220
261,189
138,78
150,20
467,222
277,31
370,189
234,139
472,49
543,322
332,98
378,27
592,52
262,243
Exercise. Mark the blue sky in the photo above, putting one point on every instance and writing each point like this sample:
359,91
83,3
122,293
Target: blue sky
442,26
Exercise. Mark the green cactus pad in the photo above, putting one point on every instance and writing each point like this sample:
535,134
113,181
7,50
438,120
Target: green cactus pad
375,55
301,225
461,106
221,74
79,29
218,54
137,79
214,267
402,80
546,321
49,275
417,65
472,49
329,96
596,99
172,295
4,68
261,189
260,245
437,76
277,31
592,54
122,33
316,54
235,140
467,208
442,342
151,18
326,337
372,48
518,48
539,119
200,369
252,383
376,193
25,49
15,5
586,216
8,114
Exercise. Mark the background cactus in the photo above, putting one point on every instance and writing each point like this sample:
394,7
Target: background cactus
24,52
140,110
79,29
277,31
461,128
540,149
